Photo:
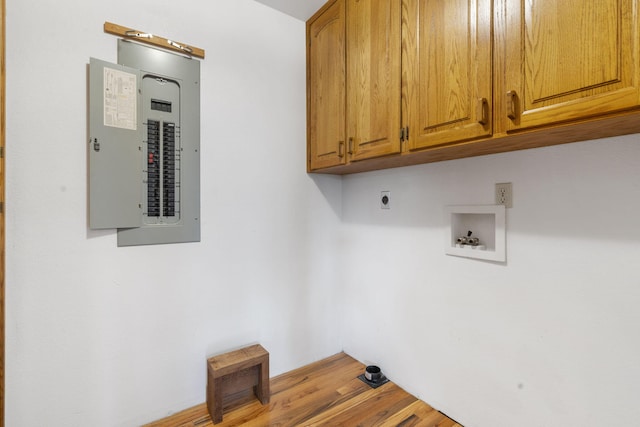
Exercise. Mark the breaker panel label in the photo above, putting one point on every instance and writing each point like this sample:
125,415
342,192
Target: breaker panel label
120,99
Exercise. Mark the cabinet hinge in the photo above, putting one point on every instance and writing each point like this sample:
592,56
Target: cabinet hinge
1,152
1,207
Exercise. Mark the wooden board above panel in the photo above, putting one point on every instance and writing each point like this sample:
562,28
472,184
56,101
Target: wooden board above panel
153,39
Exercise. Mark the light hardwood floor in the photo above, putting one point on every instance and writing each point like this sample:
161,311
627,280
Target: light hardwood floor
325,393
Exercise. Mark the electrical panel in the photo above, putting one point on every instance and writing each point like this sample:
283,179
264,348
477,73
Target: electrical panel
144,159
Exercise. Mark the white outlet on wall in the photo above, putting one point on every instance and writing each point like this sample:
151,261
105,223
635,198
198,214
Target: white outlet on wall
385,200
504,194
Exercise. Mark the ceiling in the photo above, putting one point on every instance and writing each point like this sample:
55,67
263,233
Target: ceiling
301,9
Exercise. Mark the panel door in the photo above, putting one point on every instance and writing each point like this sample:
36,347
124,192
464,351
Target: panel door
447,61
373,77
115,140
326,70
569,59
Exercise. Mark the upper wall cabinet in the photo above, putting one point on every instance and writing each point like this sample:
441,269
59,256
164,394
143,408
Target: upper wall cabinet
326,70
569,59
401,82
354,109
448,68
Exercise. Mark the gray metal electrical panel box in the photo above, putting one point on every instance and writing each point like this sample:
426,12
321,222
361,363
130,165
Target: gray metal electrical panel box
144,146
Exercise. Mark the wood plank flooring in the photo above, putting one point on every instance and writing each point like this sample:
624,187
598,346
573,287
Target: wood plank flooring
325,393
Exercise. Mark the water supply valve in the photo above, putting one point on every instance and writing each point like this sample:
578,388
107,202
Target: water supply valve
469,242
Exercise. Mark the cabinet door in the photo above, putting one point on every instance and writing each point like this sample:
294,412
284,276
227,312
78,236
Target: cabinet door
569,59
326,65
373,78
447,61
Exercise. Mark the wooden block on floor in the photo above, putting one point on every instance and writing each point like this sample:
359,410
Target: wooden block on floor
231,373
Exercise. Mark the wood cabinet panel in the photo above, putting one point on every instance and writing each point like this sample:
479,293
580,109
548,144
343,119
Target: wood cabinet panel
448,71
569,60
373,78
326,92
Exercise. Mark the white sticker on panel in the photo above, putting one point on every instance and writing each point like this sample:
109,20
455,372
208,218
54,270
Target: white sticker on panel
120,99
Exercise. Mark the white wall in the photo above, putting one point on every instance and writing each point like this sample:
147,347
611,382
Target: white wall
106,336
551,337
